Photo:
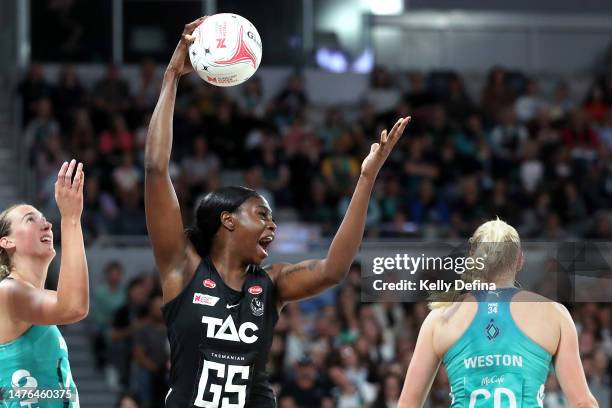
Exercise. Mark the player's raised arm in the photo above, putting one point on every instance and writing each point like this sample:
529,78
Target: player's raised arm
70,303
163,213
308,278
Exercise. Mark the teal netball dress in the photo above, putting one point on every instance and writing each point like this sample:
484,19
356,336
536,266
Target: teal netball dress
34,371
494,364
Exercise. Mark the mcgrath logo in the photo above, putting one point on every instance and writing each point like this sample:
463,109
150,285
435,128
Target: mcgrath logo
255,290
257,307
209,283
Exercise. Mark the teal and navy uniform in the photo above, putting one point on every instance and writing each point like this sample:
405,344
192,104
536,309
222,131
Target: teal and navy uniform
37,363
494,364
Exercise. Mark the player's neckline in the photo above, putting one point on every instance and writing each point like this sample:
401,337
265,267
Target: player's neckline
225,285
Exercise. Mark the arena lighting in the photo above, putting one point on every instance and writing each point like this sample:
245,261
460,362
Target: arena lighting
337,61
332,60
386,7
364,63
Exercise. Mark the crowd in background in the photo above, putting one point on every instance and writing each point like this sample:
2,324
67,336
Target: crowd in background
541,161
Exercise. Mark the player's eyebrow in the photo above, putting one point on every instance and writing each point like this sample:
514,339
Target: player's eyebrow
268,210
26,214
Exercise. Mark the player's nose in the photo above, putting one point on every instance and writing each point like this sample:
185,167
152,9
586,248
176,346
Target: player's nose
46,225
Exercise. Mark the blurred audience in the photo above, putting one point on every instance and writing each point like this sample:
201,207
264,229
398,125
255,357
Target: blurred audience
542,162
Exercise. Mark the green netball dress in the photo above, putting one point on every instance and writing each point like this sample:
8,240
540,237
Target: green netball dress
494,364
34,371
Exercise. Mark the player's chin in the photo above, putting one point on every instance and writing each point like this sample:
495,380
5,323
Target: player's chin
48,253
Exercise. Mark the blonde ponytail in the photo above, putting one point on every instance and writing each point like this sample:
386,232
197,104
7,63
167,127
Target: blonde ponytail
4,272
498,245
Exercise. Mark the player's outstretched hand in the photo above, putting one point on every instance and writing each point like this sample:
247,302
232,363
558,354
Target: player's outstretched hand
380,151
179,63
69,190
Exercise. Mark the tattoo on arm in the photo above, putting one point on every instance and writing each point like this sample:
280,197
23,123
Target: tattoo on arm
303,266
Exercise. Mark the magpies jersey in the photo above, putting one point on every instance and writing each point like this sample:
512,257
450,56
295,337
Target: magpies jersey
220,340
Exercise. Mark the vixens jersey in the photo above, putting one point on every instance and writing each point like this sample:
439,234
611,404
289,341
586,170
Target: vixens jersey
494,364
34,371
220,339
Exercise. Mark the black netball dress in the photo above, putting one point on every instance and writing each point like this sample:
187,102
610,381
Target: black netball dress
220,340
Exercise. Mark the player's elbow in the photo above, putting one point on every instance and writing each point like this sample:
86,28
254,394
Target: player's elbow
335,275
155,166
74,313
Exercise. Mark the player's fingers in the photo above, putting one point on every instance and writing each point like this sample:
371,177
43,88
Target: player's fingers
400,129
61,173
81,182
374,147
188,38
404,124
383,136
395,127
77,177
68,175
189,27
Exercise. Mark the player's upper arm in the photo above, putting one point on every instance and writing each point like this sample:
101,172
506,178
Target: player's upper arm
299,281
164,222
36,306
423,366
568,366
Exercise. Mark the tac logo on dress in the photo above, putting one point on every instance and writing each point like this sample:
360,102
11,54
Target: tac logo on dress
209,283
257,307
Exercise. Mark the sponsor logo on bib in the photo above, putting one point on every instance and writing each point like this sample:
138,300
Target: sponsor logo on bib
209,283
203,299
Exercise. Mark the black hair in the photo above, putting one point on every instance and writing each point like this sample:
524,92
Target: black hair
208,215
138,280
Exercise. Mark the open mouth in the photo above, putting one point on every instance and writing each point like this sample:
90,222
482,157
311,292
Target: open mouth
265,242
46,239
